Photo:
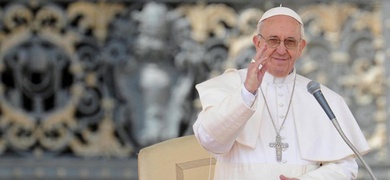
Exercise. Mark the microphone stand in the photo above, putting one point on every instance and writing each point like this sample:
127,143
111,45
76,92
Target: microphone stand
337,125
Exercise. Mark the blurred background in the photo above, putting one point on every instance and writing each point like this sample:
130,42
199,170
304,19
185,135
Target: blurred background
84,85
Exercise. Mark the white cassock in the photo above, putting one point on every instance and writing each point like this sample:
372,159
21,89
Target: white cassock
238,130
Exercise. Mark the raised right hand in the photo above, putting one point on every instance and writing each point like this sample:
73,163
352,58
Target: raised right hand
256,71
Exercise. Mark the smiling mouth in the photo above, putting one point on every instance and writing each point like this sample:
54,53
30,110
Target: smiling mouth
280,59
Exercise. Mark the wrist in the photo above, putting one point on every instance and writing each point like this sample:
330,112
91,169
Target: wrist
251,90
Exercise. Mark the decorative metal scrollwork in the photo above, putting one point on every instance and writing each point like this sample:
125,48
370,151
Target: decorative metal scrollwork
96,79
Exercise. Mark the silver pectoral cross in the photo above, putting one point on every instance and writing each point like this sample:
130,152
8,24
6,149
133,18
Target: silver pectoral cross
278,145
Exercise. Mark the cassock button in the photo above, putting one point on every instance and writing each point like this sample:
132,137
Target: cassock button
280,94
281,116
281,105
284,161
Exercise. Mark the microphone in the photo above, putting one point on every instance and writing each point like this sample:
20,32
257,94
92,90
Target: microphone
314,88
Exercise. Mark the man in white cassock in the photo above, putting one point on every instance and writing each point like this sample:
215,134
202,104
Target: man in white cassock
262,123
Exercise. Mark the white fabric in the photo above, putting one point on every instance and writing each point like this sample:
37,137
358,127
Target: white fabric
281,11
260,171
248,97
241,134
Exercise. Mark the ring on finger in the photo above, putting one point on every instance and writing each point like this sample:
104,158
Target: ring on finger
252,61
260,66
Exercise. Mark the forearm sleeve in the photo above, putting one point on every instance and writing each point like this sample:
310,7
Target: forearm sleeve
217,127
345,169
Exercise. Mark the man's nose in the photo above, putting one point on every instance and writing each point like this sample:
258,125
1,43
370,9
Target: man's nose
281,49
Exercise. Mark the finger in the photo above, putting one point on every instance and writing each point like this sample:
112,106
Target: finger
262,59
261,51
282,177
264,48
260,66
261,62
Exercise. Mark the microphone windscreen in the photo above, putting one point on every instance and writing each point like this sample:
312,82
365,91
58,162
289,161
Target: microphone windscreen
313,86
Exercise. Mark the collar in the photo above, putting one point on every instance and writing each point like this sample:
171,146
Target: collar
270,79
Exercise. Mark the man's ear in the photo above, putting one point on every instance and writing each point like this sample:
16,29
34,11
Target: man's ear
256,41
302,45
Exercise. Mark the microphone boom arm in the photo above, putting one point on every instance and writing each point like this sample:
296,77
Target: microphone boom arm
315,89
345,138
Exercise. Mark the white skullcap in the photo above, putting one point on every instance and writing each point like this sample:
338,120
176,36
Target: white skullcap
281,11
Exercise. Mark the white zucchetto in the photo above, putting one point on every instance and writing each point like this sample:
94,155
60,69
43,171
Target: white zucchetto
281,11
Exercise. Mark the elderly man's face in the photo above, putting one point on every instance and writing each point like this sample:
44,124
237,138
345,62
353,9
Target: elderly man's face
282,57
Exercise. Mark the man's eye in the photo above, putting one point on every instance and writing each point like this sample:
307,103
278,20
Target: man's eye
273,41
290,42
